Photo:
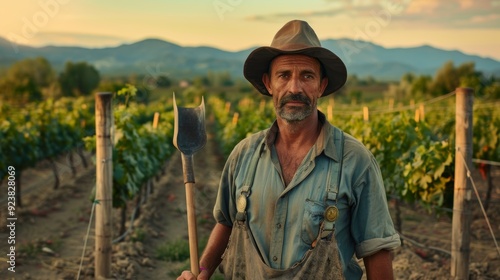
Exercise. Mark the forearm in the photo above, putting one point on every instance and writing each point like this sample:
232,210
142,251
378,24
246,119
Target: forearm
379,265
216,246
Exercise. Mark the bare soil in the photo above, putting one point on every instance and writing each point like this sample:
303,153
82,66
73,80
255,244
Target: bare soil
51,228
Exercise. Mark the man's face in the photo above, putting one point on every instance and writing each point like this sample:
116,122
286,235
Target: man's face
295,83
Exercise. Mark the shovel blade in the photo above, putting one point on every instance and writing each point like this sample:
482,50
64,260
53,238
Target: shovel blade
189,128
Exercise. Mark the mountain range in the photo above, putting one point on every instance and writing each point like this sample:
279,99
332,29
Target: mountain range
158,57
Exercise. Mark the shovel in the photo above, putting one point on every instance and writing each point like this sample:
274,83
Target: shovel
189,137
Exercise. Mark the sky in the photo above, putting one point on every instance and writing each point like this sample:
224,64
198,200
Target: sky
472,27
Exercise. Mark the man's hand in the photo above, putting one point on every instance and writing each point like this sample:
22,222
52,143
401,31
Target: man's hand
211,257
187,275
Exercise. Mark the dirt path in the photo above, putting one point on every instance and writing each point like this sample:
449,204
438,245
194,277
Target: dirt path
165,215
51,226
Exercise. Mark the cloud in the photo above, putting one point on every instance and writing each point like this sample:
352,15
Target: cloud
407,13
355,9
422,7
454,14
305,14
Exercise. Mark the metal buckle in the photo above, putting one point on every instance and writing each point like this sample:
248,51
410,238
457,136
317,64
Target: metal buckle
241,203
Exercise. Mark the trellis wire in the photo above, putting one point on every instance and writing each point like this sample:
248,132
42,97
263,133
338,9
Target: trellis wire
479,200
489,162
86,238
400,109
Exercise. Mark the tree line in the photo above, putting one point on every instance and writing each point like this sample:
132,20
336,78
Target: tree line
447,79
34,79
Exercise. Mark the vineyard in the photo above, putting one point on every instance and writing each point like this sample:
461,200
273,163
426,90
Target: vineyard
52,147
416,155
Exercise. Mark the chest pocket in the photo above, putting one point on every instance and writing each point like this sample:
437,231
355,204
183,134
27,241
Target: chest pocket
313,216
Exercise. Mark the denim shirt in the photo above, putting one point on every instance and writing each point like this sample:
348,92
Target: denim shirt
285,220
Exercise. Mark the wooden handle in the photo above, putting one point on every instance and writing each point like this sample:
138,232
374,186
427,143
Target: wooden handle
192,232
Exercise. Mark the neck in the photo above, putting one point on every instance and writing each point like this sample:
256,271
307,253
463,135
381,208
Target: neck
301,134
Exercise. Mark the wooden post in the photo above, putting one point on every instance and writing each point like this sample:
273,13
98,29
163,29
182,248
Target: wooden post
460,237
366,114
104,185
235,118
331,104
149,184
329,111
156,119
262,105
421,108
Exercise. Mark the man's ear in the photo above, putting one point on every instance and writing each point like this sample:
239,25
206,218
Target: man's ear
267,82
323,84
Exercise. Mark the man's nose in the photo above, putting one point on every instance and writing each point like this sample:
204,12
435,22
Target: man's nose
295,85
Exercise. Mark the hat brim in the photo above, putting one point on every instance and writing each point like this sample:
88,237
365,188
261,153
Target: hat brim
258,62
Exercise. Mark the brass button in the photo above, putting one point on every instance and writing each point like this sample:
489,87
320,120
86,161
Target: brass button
331,213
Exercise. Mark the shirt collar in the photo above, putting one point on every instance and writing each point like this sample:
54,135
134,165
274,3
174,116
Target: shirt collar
324,143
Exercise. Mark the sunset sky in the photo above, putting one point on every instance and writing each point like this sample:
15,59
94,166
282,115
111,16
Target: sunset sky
472,27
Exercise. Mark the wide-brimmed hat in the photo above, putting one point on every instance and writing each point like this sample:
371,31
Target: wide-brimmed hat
295,37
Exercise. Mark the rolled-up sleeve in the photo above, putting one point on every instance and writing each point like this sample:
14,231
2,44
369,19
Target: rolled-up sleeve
371,246
372,225
224,204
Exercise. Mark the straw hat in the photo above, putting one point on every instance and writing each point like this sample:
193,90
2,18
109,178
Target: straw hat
295,37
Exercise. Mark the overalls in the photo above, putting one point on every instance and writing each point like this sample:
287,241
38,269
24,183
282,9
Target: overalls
241,260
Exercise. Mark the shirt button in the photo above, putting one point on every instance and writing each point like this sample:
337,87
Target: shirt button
278,225
275,258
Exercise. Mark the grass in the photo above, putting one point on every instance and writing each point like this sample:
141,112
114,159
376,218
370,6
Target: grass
173,251
178,251
138,235
33,248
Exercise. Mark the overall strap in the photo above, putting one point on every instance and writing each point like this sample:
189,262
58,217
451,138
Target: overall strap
333,183
241,201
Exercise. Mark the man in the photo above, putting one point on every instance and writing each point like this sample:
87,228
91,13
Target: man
298,200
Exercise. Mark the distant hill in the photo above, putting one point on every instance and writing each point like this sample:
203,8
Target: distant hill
155,57
364,58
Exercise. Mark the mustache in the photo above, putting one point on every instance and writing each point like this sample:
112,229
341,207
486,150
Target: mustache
295,97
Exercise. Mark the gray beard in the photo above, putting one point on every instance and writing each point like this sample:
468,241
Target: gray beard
294,114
